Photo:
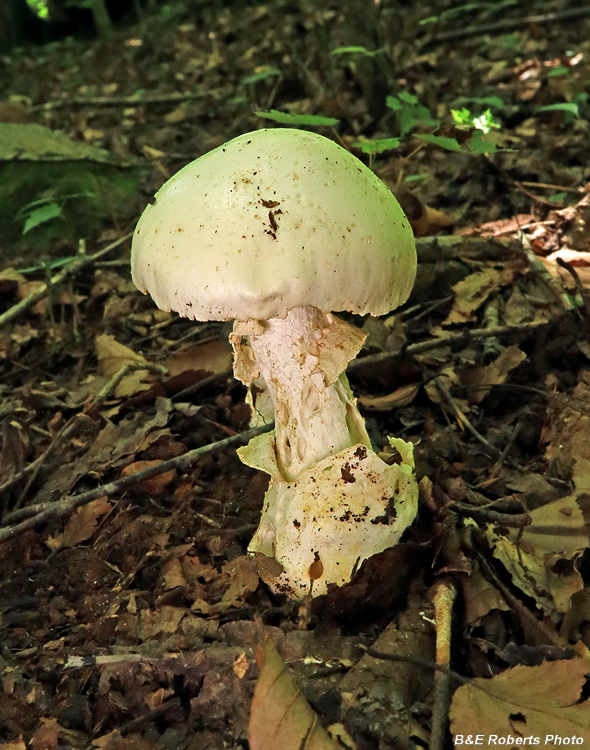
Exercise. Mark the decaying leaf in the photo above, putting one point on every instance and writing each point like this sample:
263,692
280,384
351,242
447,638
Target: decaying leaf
542,560
281,717
112,356
395,400
472,291
481,379
212,355
154,485
81,525
545,702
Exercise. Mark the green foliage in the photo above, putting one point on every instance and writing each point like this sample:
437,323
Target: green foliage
261,74
484,122
410,112
486,101
41,202
571,108
39,7
559,71
473,145
40,215
306,120
46,208
377,145
511,42
361,51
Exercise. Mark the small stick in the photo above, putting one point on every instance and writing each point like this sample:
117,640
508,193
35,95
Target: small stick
444,598
116,101
477,435
456,338
501,27
77,264
65,507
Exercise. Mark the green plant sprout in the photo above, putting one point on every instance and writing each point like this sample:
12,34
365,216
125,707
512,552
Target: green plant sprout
43,210
410,112
485,122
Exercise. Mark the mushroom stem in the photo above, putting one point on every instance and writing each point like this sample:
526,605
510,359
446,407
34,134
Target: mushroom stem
302,358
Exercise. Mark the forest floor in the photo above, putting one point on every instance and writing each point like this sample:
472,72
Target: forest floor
131,616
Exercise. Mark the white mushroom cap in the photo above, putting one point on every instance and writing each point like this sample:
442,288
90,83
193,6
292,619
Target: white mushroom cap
270,221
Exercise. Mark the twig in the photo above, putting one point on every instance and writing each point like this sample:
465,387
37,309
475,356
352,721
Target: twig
515,604
65,507
416,661
77,264
444,598
510,520
549,186
116,101
34,467
115,381
456,338
502,26
519,186
463,419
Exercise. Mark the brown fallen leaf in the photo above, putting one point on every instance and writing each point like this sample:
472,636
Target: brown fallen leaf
481,379
81,525
545,702
154,485
212,356
535,558
472,291
280,716
112,356
394,400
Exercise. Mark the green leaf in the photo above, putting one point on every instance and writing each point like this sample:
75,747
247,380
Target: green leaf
407,98
377,146
430,19
561,70
287,119
355,51
450,144
569,107
478,146
407,120
42,216
260,75
393,103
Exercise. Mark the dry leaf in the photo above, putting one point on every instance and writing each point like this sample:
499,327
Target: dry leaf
470,294
212,356
492,374
544,702
557,533
281,717
154,485
81,524
112,356
394,400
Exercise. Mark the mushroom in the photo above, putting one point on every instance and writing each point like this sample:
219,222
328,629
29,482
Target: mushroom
278,229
